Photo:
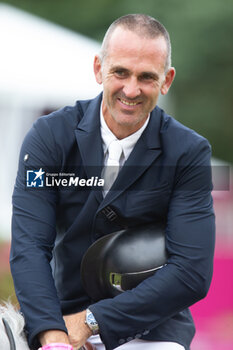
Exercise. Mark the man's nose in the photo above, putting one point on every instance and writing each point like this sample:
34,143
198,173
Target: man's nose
131,88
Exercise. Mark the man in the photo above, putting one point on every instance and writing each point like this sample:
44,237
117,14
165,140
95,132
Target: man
164,177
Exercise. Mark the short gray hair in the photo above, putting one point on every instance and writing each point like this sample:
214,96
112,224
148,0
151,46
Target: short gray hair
143,25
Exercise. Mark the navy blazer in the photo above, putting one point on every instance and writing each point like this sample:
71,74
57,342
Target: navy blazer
166,178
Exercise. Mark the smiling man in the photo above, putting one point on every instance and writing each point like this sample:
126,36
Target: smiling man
134,69
156,171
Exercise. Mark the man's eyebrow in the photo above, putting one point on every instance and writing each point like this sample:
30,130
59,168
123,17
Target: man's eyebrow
115,68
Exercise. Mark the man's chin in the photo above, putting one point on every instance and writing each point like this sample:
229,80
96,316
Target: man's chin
127,122
130,118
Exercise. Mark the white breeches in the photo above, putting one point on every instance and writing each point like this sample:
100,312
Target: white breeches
138,344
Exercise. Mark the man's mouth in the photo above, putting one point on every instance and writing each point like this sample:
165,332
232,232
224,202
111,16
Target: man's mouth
128,103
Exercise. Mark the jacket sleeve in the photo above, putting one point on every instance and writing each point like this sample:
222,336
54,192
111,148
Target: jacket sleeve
190,237
33,237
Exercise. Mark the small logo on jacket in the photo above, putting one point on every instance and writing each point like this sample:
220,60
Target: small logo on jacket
35,178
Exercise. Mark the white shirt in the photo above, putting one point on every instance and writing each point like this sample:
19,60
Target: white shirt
127,143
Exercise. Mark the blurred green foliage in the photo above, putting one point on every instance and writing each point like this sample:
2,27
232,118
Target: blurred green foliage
202,53
6,282
7,292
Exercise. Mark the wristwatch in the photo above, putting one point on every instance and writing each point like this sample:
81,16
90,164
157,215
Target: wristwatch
91,322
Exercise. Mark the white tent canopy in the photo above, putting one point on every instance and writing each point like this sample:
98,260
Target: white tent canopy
43,60
42,66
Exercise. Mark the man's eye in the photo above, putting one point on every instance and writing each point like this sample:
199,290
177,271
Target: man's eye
147,77
120,73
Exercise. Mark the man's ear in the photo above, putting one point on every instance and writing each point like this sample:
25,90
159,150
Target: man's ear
168,81
97,69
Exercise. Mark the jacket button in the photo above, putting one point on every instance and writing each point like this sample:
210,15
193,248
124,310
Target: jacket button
146,332
121,341
138,335
129,338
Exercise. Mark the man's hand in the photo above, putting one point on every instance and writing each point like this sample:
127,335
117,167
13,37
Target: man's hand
53,336
78,331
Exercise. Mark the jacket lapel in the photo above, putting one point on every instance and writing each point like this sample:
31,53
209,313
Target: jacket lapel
147,149
89,140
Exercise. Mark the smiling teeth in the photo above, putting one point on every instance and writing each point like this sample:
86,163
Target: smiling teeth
129,103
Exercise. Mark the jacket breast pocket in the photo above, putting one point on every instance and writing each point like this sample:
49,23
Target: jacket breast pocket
148,204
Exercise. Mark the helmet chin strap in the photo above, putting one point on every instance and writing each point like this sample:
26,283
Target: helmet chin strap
9,334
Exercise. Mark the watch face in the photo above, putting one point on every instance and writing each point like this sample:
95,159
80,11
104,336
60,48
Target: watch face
91,321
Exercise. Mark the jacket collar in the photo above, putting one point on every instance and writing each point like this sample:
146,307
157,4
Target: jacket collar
146,150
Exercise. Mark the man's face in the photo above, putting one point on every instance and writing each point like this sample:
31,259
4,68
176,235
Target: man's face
132,75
